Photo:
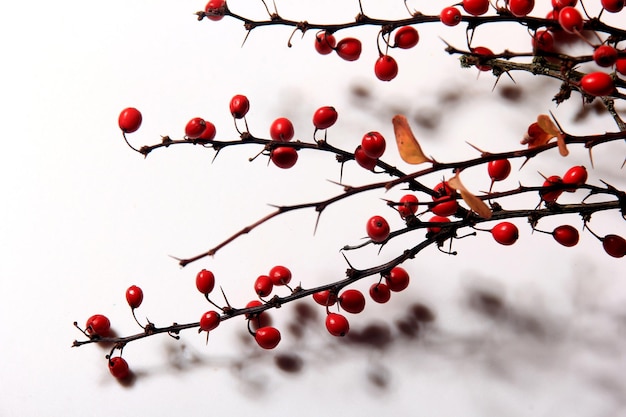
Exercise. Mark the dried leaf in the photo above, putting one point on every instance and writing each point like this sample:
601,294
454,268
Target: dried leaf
408,147
536,136
545,122
475,203
560,140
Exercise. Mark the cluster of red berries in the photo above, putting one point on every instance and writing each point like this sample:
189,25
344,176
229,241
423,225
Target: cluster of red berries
372,147
571,180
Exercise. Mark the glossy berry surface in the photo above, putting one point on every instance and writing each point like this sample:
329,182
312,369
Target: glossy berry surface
406,37
373,144
559,4
337,324
444,192
363,160
324,117
377,228
408,205
325,43
499,169
566,235
450,16
614,245
280,275
282,130
620,66
284,157
386,68
349,49
267,337
352,301
597,84
209,321
98,325
612,6
543,41
209,131
195,127
397,279
505,233
263,285
134,296
212,6
570,19
476,7
575,176
380,292
119,367
484,53
325,298
521,8
205,281
239,106
129,120
605,56
437,219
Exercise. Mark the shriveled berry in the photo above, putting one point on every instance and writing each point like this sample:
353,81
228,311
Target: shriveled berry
505,233
337,324
352,301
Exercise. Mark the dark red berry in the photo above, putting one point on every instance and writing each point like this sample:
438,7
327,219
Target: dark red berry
380,293
119,367
484,53
521,8
406,37
612,6
349,49
543,41
284,157
437,219
324,42
614,245
476,7
566,235
397,279
239,106
363,160
352,301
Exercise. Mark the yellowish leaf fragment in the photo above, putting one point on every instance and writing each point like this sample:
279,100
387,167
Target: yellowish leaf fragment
408,147
548,126
475,203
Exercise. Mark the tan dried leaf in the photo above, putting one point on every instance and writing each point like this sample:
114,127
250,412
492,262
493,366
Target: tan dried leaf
475,203
408,147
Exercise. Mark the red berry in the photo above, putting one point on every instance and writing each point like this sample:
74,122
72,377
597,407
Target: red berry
551,196
209,131
252,304
505,233
129,120
325,298
445,208
373,144
363,160
195,127
380,293
543,41
570,19
620,66
280,275
205,281
437,219
119,367
284,157
408,206
484,53
597,84
324,117
520,8
559,4
614,245
476,7
282,130
612,6
386,68
209,321
214,9
397,279
267,337
134,296
324,42
575,176
605,55
499,169
239,106
566,235
450,16
98,325
377,229
337,325
349,49
406,37
263,286
352,301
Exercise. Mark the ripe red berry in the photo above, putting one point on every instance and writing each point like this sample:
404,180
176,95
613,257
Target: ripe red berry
282,130
280,275
239,106
349,49
444,192
499,169
450,16
373,144
521,8
575,176
324,42
484,53
214,9
119,367
377,228
551,196
406,37
209,321
195,127
605,55
397,279
543,41
408,205
380,293
263,286
252,304
505,233
559,4
284,157
134,296
620,65
325,298
98,325
209,131
476,7
267,337
597,84
612,6
566,235
614,245
352,301
363,160
205,281
386,68
337,324
129,120
437,219
570,19
324,117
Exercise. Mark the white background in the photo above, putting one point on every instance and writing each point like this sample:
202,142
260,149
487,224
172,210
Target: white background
84,217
